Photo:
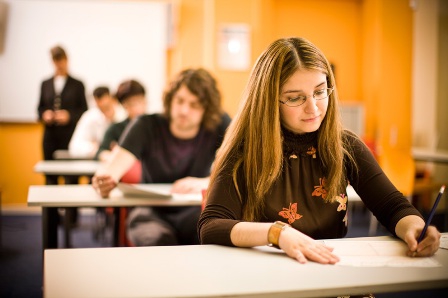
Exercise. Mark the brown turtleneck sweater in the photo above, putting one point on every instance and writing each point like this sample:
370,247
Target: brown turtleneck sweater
298,195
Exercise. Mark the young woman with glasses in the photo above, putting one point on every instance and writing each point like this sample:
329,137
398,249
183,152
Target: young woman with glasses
281,174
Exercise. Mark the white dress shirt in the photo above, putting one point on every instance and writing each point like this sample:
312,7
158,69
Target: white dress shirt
90,130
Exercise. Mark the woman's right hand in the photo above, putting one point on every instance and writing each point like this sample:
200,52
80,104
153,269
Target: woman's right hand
303,248
103,184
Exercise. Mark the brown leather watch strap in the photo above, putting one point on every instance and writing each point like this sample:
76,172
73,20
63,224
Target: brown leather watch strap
274,233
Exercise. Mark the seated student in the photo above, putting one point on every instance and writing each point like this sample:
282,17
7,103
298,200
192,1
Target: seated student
131,95
91,127
176,147
281,174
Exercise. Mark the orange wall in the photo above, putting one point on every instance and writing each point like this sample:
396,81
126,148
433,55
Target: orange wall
368,41
20,150
334,27
387,69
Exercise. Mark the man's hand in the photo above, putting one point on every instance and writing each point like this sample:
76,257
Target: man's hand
48,116
103,184
61,117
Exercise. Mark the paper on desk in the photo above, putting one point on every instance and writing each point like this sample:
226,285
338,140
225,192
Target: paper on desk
145,190
155,191
121,161
444,242
377,254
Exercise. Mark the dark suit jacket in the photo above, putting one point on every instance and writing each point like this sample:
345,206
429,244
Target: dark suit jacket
73,99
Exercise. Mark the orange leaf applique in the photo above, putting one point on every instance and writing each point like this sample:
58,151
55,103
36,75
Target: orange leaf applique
320,189
311,151
290,213
342,202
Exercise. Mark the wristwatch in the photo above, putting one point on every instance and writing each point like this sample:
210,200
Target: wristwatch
274,233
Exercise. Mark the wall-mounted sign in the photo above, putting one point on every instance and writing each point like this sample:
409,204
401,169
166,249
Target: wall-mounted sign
234,47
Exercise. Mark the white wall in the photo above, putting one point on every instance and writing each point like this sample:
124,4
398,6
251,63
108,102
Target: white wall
425,63
106,42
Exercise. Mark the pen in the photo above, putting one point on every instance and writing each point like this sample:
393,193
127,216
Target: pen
431,214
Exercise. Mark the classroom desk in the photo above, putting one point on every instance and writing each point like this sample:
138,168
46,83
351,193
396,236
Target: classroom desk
218,271
67,167
438,156
65,154
63,168
57,196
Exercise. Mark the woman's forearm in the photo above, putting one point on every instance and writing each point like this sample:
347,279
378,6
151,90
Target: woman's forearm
249,234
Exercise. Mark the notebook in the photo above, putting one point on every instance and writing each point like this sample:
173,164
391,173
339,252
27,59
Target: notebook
145,190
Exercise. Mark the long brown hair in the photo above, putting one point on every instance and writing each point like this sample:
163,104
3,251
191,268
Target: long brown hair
253,141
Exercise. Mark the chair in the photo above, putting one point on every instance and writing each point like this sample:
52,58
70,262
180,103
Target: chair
133,175
204,198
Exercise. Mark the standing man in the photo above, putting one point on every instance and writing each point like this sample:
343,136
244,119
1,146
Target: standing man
176,147
62,102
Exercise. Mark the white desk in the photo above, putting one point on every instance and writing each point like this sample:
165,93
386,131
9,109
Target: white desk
65,154
218,271
62,168
421,154
55,196
67,167
84,195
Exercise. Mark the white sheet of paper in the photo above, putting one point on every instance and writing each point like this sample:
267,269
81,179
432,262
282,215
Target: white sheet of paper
155,191
120,162
444,242
145,190
377,254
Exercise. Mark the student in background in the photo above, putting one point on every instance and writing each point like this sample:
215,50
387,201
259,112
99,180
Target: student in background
94,122
176,147
62,102
281,174
131,95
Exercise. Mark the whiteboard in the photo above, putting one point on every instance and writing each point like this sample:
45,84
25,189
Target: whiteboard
106,42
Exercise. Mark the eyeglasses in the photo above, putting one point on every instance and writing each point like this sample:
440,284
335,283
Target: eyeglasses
300,100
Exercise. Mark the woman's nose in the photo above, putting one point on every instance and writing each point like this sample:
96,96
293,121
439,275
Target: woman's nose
310,105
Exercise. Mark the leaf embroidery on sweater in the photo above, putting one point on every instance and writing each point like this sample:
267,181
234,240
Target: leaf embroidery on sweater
320,189
311,151
290,213
342,200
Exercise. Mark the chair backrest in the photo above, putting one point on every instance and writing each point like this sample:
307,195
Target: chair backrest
204,198
134,174
399,166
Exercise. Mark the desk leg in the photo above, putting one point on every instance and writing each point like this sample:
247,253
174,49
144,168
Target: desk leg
117,223
49,227
68,219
